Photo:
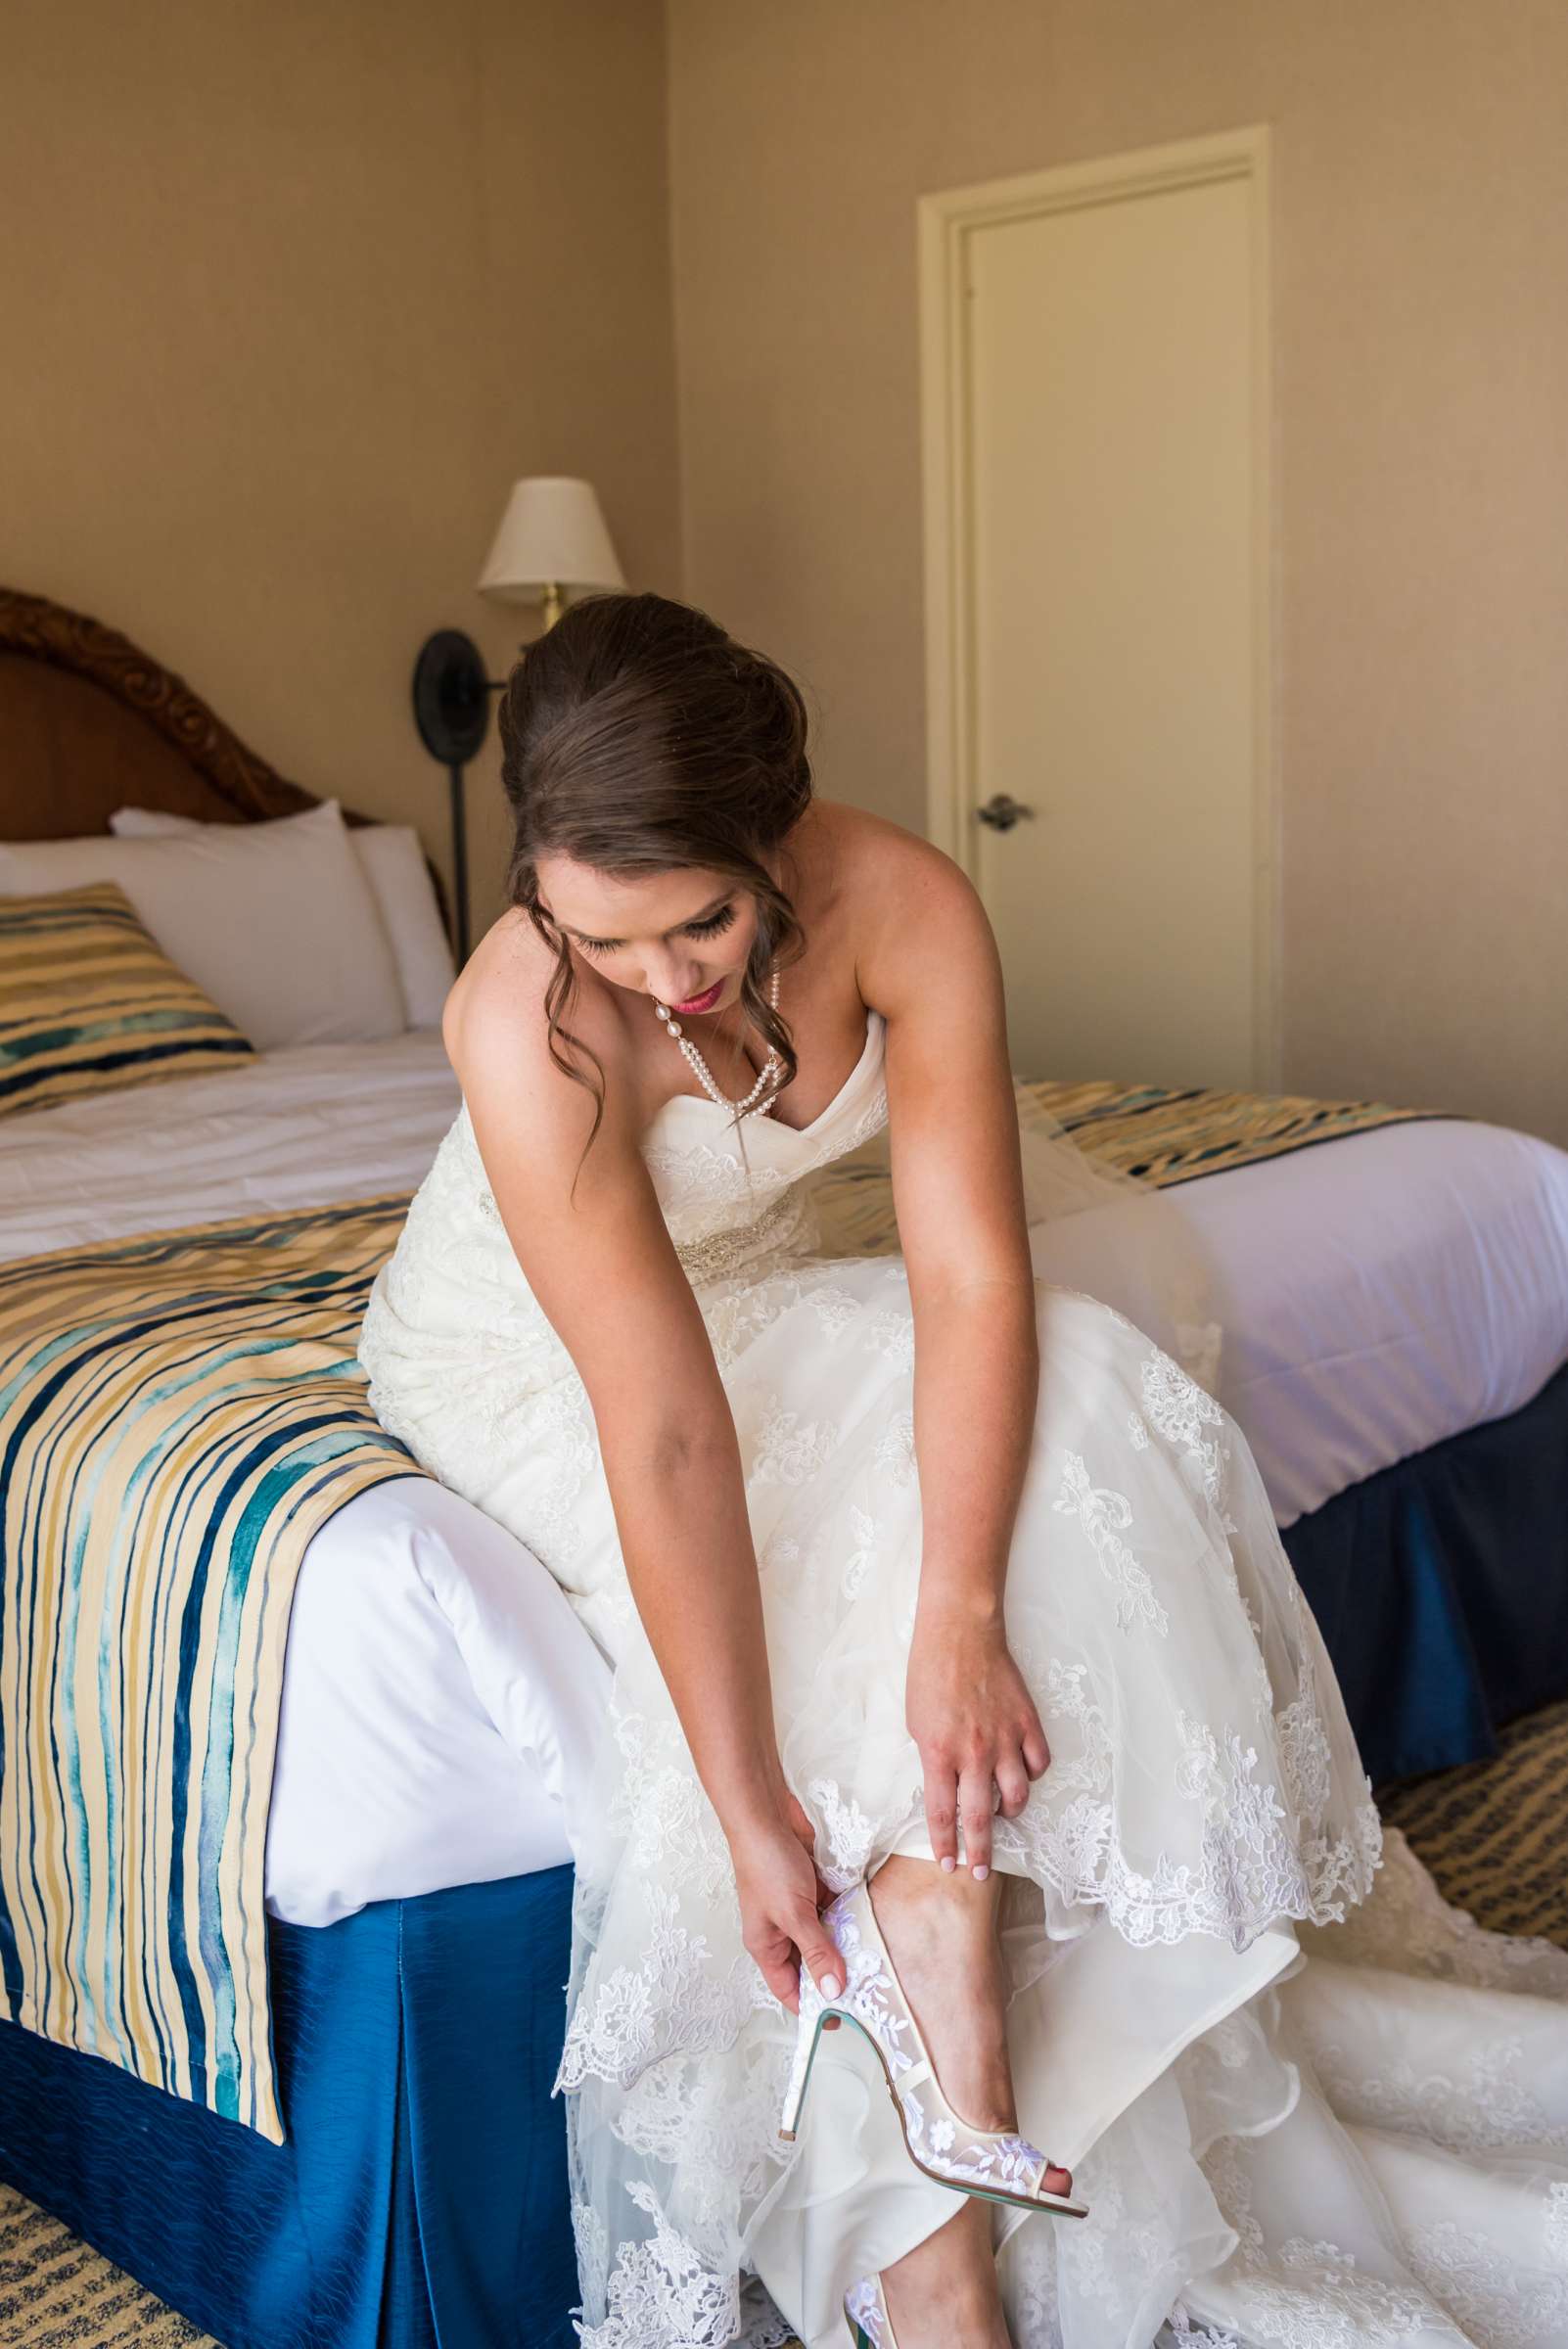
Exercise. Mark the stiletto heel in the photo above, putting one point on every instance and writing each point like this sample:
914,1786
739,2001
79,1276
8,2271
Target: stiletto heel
865,2311
996,2164
805,2057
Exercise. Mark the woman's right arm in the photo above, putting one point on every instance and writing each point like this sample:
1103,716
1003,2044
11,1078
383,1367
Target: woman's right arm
606,1273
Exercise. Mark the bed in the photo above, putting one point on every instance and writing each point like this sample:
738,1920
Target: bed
1396,1311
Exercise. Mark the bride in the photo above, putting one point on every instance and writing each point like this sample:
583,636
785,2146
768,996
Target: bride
983,1930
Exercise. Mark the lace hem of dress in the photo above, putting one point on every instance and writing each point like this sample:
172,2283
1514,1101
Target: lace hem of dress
663,2295
627,2025
1259,1860
1252,1872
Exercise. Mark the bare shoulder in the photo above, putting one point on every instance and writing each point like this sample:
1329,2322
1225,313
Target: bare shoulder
497,1032
918,919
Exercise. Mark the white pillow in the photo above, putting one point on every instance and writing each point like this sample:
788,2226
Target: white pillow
274,921
393,863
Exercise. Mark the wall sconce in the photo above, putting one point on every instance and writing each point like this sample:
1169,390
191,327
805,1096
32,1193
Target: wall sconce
552,538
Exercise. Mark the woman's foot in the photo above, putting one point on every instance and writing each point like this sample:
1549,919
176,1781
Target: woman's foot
941,1932
944,2293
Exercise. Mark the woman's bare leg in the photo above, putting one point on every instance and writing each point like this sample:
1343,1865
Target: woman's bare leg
944,2293
941,1932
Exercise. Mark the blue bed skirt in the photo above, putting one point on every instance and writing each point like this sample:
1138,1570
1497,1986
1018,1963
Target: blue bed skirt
421,2199
1441,1588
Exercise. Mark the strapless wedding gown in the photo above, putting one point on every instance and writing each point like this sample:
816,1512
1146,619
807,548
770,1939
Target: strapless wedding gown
1308,2103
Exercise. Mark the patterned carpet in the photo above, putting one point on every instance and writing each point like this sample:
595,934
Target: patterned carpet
57,2294
1491,1832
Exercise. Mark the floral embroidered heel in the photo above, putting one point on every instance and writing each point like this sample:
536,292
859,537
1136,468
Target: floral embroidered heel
865,2311
994,2163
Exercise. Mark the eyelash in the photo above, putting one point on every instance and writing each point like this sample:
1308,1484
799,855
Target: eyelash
708,929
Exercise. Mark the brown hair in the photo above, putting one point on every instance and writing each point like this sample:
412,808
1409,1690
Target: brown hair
638,736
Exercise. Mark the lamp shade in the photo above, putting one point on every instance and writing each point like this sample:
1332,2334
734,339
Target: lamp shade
552,533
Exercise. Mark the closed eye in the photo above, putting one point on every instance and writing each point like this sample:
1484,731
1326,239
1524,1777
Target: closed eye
709,928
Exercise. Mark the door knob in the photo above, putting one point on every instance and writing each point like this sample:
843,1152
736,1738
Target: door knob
1001,812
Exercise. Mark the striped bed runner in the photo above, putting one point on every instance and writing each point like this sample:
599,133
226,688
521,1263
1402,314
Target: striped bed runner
178,1415
1171,1136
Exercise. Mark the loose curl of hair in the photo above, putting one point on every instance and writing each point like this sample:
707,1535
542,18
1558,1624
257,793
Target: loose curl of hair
638,737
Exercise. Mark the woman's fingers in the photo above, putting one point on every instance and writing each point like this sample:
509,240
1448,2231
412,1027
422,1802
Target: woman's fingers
818,1955
1036,1753
780,1950
974,1805
778,1964
1012,1785
942,1813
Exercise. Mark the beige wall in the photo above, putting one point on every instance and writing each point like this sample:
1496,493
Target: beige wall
1420,280
290,294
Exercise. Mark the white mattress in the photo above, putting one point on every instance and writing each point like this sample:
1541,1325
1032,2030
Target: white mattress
1378,1294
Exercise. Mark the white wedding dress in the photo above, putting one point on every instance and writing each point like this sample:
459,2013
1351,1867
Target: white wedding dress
1308,2102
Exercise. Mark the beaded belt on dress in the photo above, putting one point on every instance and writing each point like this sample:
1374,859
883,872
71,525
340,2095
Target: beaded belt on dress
785,1220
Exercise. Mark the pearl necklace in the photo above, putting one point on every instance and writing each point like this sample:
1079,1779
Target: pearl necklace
704,1074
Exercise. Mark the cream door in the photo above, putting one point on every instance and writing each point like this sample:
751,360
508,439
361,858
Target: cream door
1099,639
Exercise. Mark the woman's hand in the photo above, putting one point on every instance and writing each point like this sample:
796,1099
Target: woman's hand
968,1709
780,1895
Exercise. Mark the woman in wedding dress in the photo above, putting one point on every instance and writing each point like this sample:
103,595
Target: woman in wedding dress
963,1692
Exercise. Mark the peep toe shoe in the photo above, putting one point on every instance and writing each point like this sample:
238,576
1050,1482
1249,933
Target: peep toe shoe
865,2311
994,2163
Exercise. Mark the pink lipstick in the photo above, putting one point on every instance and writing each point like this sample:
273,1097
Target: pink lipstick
704,1002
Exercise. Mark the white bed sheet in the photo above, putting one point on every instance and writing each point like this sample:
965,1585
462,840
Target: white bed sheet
292,1129
440,1699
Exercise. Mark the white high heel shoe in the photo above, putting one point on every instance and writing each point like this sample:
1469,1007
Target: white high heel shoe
994,2163
865,2311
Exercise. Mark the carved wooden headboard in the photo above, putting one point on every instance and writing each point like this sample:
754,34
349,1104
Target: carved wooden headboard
88,723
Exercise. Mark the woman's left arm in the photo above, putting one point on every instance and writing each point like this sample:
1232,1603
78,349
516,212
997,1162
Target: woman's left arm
930,965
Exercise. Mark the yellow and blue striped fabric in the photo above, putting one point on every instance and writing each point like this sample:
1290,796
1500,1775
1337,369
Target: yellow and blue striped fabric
178,1415
89,1003
1168,1135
